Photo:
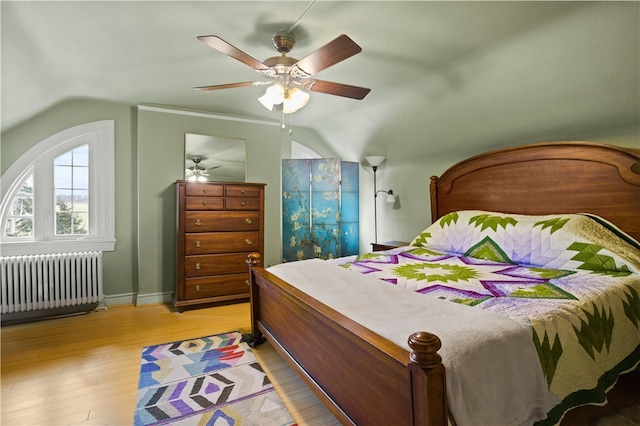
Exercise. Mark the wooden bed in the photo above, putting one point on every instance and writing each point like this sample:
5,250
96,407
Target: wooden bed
338,357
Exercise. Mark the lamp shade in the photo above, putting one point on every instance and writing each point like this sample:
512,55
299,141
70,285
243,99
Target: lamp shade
374,160
274,95
390,198
295,100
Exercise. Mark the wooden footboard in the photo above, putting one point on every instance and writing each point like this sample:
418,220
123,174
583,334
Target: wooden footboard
362,378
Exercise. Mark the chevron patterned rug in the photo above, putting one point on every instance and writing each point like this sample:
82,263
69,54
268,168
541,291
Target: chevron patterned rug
213,380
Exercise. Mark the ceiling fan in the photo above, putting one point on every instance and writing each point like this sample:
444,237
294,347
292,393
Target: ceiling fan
290,78
197,172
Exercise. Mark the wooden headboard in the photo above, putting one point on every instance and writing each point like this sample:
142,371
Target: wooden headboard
546,178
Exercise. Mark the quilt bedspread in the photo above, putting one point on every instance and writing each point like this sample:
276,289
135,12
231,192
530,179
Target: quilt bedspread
573,279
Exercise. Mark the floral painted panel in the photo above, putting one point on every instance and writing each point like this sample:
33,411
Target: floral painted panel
319,208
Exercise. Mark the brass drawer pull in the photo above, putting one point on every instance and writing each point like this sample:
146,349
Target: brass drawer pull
197,222
204,203
197,288
248,241
243,190
198,266
204,190
248,221
243,203
246,282
198,244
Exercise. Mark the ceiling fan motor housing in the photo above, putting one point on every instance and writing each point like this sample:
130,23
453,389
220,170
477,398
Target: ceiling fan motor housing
283,42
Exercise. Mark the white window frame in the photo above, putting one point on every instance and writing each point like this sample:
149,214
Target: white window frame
38,160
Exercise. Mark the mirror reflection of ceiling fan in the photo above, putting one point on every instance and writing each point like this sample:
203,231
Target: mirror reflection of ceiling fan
290,79
197,172
201,174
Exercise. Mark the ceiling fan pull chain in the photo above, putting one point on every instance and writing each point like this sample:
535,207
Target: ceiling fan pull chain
290,124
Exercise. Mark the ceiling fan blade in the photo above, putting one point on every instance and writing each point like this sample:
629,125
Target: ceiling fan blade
230,85
224,47
330,54
338,89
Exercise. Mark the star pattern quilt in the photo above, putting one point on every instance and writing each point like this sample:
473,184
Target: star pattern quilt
573,279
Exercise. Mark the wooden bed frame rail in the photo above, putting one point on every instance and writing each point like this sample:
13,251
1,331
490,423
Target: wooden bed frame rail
407,388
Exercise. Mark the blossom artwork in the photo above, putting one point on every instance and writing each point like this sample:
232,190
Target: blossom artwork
319,208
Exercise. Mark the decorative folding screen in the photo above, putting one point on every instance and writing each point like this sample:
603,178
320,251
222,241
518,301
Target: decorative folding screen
319,208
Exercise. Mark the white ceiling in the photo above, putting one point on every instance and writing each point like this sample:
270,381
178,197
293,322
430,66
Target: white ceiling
442,74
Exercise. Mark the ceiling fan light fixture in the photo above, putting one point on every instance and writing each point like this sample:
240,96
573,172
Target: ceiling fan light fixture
294,100
196,173
195,178
274,95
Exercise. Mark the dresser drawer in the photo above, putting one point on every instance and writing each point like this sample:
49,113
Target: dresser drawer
221,221
242,203
204,190
242,191
204,203
215,264
221,242
198,288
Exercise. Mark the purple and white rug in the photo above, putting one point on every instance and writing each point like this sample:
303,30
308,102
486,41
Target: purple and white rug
213,380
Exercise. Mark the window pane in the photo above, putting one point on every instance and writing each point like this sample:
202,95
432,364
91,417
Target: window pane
62,176
63,200
20,214
81,156
19,227
80,201
65,159
27,187
63,223
22,206
81,178
72,192
80,221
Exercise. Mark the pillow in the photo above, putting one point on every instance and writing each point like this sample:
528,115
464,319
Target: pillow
564,241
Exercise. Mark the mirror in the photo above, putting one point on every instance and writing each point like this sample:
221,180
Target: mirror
214,158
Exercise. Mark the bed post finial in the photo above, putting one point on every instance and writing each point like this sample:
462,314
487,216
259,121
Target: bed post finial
253,259
427,379
433,197
425,349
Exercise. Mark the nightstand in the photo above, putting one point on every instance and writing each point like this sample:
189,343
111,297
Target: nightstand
388,245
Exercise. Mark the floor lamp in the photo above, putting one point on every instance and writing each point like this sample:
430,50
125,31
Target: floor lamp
375,161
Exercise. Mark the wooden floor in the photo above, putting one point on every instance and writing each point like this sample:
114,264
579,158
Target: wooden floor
83,370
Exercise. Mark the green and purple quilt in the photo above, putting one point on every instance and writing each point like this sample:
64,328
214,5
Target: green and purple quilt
573,279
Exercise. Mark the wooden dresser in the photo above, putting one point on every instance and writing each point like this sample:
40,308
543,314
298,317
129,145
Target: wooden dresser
218,225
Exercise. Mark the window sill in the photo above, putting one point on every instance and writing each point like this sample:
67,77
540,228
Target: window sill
48,247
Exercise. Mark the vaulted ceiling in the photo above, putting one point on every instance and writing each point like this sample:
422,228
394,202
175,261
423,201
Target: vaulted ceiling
442,74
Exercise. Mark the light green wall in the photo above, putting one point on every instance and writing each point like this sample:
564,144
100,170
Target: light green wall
409,179
161,163
119,265
149,158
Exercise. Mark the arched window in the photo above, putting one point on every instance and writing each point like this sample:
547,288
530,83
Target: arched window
299,150
59,195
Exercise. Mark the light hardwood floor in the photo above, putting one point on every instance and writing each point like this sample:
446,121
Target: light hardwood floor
83,370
